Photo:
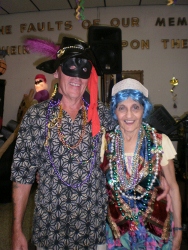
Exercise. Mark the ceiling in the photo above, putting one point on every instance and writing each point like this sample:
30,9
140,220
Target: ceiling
8,7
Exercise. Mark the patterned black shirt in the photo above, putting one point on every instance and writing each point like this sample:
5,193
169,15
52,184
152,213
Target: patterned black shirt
65,217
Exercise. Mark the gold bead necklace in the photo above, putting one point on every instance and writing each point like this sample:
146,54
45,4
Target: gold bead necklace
62,136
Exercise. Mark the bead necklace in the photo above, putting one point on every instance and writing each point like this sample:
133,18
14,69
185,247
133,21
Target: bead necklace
50,125
122,168
62,136
93,160
114,160
54,122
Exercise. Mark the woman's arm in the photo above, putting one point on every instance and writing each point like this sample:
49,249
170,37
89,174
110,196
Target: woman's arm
165,194
169,173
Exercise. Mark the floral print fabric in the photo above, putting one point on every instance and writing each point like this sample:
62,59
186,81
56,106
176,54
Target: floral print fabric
64,217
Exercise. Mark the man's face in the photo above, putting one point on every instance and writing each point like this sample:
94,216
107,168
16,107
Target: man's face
40,84
70,87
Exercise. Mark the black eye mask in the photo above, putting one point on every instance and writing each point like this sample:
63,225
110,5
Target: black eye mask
39,81
82,67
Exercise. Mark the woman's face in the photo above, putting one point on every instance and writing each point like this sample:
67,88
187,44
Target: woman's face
129,114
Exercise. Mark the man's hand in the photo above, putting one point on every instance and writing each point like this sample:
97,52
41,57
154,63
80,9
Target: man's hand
165,194
20,195
19,241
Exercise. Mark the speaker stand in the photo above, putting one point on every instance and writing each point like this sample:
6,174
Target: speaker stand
102,89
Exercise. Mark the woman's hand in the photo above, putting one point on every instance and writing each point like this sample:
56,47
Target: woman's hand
177,240
169,173
164,185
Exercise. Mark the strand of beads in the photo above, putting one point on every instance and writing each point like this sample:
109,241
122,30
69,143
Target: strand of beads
51,105
134,179
153,171
152,174
62,136
93,160
118,166
112,161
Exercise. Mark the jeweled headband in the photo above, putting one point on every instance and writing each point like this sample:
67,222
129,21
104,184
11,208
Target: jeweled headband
129,83
61,52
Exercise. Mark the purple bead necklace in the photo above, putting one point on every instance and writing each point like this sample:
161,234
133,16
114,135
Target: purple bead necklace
51,105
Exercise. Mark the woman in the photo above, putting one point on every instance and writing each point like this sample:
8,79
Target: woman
137,157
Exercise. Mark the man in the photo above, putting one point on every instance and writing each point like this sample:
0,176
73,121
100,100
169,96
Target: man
61,139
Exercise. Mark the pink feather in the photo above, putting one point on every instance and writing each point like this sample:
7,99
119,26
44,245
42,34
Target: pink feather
46,48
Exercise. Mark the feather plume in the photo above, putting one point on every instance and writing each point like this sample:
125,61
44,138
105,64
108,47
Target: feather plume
46,48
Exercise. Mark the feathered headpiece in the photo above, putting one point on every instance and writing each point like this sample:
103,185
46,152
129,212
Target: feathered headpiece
69,48
46,48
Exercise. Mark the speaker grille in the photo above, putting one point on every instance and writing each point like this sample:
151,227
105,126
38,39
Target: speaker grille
162,121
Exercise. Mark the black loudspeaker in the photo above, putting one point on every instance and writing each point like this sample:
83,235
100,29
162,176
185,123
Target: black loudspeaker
106,44
161,120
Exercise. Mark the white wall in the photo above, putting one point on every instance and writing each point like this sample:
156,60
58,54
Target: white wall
159,64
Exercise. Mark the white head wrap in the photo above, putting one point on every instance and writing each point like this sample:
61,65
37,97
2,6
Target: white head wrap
129,83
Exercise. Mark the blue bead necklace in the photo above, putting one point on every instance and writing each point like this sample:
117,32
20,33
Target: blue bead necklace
116,158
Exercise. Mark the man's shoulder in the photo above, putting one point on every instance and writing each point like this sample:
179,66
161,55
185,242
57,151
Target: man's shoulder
38,109
102,105
40,105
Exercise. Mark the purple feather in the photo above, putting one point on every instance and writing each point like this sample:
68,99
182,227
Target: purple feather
46,48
